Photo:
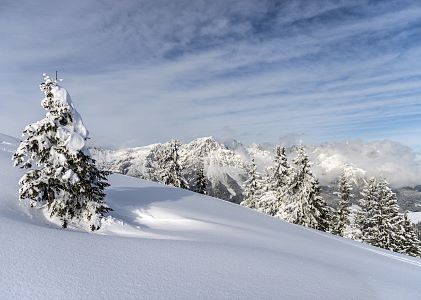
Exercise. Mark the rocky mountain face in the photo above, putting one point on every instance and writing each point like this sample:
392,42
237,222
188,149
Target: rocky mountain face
225,165
223,168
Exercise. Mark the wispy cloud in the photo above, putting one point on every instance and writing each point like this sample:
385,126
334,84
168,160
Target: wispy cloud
147,71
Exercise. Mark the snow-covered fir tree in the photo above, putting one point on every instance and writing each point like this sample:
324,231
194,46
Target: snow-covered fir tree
389,220
162,165
276,190
381,223
172,171
61,175
252,187
281,171
342,216
411,244
368,216
153,162
201,184
353,230
305,205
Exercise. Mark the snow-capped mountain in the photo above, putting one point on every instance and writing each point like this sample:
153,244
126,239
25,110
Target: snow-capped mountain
225,165
224,168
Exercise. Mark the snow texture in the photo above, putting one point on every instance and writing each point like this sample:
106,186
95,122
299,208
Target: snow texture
161,242
415,217
76,133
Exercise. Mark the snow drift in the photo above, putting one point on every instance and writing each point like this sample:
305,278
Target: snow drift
165,243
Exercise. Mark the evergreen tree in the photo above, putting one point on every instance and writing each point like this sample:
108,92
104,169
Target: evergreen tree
154,163
343,214
281,171
172,171
389,220
162,165
411,244
353,231
368,216
252,187
277,187
201,185
305,205
61,175
381,223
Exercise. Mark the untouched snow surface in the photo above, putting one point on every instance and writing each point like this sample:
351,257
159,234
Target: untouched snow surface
165,243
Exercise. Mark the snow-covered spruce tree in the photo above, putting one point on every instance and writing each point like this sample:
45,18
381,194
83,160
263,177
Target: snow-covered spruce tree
390,221
162,165
252,187
172,172
200,184
153,163
61,175
353,231
342,217
305,205
381,223
411,244
277,185
368,220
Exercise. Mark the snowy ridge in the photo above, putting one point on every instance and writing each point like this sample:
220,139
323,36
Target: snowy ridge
8,143
383,159
162,242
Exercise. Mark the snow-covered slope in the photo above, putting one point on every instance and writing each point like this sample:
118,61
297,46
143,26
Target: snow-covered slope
165,243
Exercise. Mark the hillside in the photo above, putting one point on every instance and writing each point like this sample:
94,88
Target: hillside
167,243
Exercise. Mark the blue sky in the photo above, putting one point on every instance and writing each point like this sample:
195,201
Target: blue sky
141,72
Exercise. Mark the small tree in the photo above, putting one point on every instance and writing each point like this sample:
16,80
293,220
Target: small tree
252,187
61,174
411,244
277,186
201,185
381,223
306,206
172,172
368,219
341,219
162,165
389,220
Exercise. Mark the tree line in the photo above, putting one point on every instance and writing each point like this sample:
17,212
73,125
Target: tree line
292,193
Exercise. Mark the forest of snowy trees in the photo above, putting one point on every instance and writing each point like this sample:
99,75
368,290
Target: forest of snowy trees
291,192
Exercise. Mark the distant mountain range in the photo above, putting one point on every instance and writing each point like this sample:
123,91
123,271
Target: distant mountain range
225,165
